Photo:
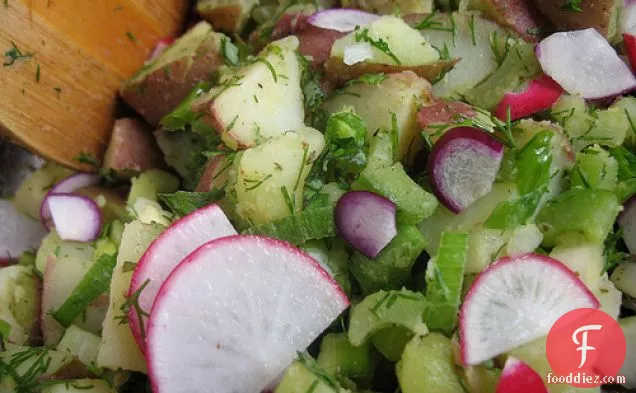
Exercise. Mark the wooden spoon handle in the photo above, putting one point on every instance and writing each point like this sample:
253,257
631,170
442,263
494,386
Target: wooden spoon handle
66,60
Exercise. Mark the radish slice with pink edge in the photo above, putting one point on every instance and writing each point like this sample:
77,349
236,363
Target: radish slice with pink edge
630,48
75,217
343,20
540,95
627,222
519,377
366,221
463,165
515,301
65,186
585,64
165,253
18,233
234,314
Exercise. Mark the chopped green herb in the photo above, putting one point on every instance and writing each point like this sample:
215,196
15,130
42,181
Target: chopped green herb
395,137
473,36
269,66
380,44
128,267
133,302
87,158
14,54
232,123
256,183
230,52
572,6
429,23
58,91
5,329
37,73
372,79
291,205
182,203
131,37
302,166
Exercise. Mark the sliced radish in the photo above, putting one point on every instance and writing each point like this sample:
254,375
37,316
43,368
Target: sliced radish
540,95
585,64
18,233
519,377
627,222
517,300
366,221
341,19
75,217
65,186
165,253
463,165
232,316
630,47
161,46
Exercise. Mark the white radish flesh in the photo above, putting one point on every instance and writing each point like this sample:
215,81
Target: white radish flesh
75,217
341,19
65,186
18,233
232,316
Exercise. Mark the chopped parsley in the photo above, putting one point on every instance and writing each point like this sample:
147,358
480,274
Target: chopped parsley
58,91
131,37
14,54
572,6
37,73
372,79
379,44
473,35
86,158
256,183
291,204
429,23
133,303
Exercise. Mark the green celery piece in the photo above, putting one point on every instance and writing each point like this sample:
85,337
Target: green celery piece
427,366
413,203
625,189
333,257
595,168
387,309
182,203
148,184
532,173
307,225
306,376
93,284
626,162
444,279
380,151
5,330
519,65
338,357
580,210
392,267
390,342
183,115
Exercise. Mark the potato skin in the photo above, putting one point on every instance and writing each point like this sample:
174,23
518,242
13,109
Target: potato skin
161,91
132,149
518,15
594,13
226,18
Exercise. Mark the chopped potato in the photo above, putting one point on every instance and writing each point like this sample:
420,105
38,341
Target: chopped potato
226,15
519,15
163,83
599,14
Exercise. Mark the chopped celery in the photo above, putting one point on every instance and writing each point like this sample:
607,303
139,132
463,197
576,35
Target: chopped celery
93,284
427,366
338,357
413,203
444,277
387,309
579,210
380,151
390,342
606,127
333,257
519,65
628,105
148,184
306,376
595,168
392,267
307,225
81,344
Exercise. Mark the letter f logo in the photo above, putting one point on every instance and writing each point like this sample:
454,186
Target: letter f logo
583,343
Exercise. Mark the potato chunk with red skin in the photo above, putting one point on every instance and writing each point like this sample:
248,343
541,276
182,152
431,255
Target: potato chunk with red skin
132,149
598,14
518,15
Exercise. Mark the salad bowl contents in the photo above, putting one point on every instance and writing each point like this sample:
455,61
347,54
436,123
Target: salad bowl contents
364,196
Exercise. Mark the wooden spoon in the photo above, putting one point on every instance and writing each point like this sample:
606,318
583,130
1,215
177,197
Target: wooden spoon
64,61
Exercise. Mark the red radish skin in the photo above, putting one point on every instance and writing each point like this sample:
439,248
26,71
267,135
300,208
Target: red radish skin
65,186
627,222
316,42
518,377
498,313
630,47
75,217
165,253
234,313
463,165
366,221
540,95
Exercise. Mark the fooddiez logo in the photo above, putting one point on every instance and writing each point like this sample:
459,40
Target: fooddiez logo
585,348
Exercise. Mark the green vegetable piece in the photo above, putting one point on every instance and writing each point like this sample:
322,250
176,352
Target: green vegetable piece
307,225
628,105
380,151
182,203
519,65
27,259
183,115
413,203
387,309
390,342
5,330
93,284
338,357
427,366
19,301
22,369
583,211
444,278
116,231
306,376
81,344
392,267
148,184
595,168
333,257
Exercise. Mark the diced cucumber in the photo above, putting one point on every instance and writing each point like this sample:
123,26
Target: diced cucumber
380,153
81,344
18,303
80,386
33,189
589,212
624,277
338,357
390,342
584,258
392,267
629,366
444,278
413,203
480,379
118,348
307,225
333,257
595,168
427,366
628,105
387,309
148,184
304,375
148,211
523,239
484,245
